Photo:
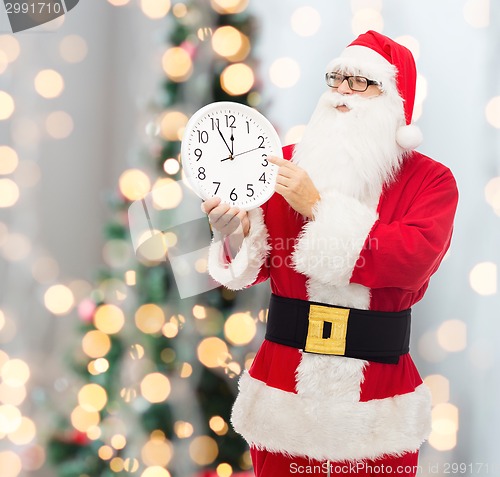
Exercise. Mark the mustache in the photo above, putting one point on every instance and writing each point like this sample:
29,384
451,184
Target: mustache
334,99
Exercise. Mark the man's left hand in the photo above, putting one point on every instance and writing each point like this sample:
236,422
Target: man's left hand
296,187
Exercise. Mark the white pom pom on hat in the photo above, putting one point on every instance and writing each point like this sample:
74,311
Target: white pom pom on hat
388,60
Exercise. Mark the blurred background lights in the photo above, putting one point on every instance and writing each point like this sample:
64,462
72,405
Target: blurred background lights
294,134
155,471
59,124
361,4
218,425
15,373
10,418
477,13
367,19
177,64
172,125
45,269
483,278
492,194
284,72
240,329
59,299
96,344
305,21
411,43
9,161
444,427
212,352
73,48
4,62
183,430
109,319
440,388
105,452
452,335
157,451
7,105
229,6
230,43
9,192
9,45
131,465
224,470
493,112
118,441
203,450
92,397
134,184
10,463
82,420
179,10
49,83
155,9
155,387
16,247
25,433
171,166
149,318
152,246
166,194
118,3
237,79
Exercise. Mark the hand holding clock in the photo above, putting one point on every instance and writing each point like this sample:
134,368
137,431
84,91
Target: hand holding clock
296,187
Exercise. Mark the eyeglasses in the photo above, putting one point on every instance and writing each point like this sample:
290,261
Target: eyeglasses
356,83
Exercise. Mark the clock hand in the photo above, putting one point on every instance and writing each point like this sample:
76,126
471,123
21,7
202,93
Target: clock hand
225,142
232,142
250,150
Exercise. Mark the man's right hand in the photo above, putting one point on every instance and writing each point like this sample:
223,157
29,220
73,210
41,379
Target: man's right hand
224,218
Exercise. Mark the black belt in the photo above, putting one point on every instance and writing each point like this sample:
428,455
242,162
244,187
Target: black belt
327,329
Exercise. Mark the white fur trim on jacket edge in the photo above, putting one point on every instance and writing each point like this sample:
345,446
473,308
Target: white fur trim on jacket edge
245,266
337,429
329,246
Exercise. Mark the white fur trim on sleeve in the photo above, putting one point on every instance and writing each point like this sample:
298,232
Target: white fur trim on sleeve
245,265
329,246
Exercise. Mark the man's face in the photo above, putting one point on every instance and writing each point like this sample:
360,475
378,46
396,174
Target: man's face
344,89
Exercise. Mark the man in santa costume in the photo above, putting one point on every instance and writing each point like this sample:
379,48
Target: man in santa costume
357,226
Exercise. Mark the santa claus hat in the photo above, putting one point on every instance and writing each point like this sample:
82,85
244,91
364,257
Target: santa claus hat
382,59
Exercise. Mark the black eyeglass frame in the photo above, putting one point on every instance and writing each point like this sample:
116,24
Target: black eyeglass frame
369,82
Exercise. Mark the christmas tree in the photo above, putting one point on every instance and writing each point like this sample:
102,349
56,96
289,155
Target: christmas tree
158,372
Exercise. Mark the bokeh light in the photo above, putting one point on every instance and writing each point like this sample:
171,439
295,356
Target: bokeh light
59,124
367,19
109,319
284,72
492,194
155,387
225,7
203,450
305,21
230,43
166,194
224,470
9,193
10,463
411,43
171,166
237,79
49,84
118,3
156,471
483,278
177,64
73,48
96,344
9,161
444,427
15,373
439,387
134,184
172,125
7,105
59,299
25,433
83,420
477,13
294,134
10,46
240,329
155,9
212,352
149,318
92,397
493,112
183,429
452,335
157,451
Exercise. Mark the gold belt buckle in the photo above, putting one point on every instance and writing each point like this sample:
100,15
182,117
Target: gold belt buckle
335,343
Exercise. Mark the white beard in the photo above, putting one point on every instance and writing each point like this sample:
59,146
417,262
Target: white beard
354,152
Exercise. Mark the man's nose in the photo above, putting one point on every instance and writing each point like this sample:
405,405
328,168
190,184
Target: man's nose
344,87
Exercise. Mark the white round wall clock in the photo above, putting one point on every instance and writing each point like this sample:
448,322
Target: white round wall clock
224,154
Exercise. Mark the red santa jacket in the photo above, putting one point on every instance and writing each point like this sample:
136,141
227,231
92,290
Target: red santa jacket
354,255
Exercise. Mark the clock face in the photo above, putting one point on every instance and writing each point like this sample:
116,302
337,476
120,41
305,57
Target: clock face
224,154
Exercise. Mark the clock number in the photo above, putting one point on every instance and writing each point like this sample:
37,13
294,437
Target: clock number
230,119
249,189
262,178
261,142
248,127
215,124
233,196
198,153
202,137
217,188
201,173
266,162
